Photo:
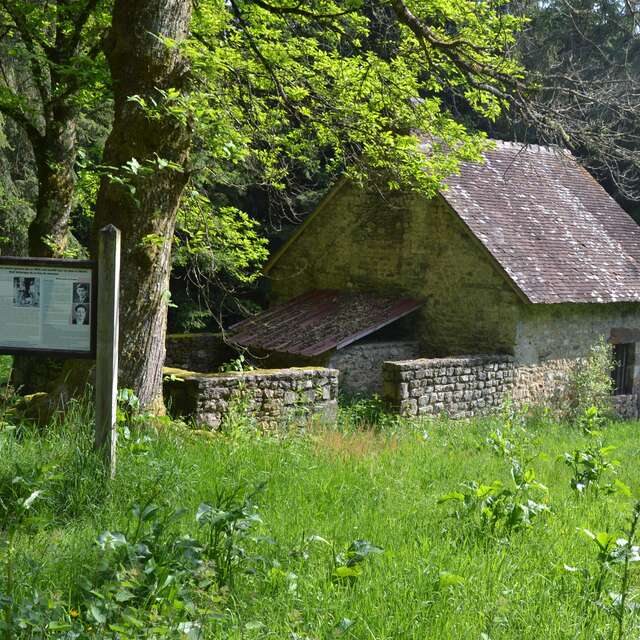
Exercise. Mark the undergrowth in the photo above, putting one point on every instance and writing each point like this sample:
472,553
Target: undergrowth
335,532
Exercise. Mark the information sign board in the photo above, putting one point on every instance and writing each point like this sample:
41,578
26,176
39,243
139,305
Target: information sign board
48,306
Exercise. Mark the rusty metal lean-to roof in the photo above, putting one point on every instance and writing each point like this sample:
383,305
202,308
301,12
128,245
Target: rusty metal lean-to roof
319,321
554,230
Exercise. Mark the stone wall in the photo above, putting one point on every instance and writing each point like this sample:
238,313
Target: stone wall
360,364
197,351
271,397
626,406
460,387
541,383
477,385
551,332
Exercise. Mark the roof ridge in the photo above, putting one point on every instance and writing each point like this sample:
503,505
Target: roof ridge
530,146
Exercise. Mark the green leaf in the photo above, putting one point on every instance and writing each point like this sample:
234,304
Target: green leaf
134,621
447,579
123,595
97,614
348,572
453,495
623,488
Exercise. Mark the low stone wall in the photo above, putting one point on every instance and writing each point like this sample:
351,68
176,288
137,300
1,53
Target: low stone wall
197,351
469,386
271,397
626,406
460,387
542,383
360,364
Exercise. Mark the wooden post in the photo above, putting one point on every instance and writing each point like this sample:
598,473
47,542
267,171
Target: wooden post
107,343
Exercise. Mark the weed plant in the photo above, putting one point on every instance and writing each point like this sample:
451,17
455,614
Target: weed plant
334,534
588,394
5,369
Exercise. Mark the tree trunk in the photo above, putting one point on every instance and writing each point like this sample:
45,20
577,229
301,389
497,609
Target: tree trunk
144,208
55,156
55,153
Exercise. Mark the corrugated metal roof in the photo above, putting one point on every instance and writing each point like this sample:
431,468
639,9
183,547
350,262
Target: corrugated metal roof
553,229
320,320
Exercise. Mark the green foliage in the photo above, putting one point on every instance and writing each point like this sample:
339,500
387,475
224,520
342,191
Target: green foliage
237,364
511,438
227,522
238,421
306,89
609,586
347,566
190,317
497,509
590,466
126,562
367,413
589,387
6,363
218,239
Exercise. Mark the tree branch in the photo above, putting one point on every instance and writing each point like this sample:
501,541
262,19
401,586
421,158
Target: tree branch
32,43
13,111
458,51
79,23
297,11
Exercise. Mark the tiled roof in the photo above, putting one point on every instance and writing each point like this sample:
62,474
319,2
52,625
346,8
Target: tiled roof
553,229
318,321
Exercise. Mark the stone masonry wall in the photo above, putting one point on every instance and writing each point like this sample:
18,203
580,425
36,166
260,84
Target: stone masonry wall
197,351
271,397
460,387
477,385
360,364
555,331
541,383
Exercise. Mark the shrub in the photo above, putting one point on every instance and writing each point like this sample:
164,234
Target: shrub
590,386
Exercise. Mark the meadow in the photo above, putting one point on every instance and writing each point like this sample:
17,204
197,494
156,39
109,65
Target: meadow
372,528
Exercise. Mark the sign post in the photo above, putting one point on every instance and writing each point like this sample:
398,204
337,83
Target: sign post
107,344
69,309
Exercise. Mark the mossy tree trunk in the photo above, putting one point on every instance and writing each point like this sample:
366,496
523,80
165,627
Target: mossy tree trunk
55,154
148,153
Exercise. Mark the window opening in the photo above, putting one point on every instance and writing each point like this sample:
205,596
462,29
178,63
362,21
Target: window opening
622,374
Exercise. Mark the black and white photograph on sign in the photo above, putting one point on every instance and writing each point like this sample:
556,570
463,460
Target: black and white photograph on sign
80,314
81,292
26,292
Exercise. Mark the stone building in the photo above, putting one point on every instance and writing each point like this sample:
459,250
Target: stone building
524,255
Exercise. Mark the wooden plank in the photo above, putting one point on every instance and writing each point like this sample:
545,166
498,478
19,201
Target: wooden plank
107,344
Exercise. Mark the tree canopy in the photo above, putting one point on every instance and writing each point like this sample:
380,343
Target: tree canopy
236,93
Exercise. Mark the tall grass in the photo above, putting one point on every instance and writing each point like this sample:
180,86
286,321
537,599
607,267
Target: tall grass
297,574
5,369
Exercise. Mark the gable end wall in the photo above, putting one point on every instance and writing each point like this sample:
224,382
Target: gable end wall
404,245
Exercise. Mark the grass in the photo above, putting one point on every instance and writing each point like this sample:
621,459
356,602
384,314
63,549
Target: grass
437,576
5,369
